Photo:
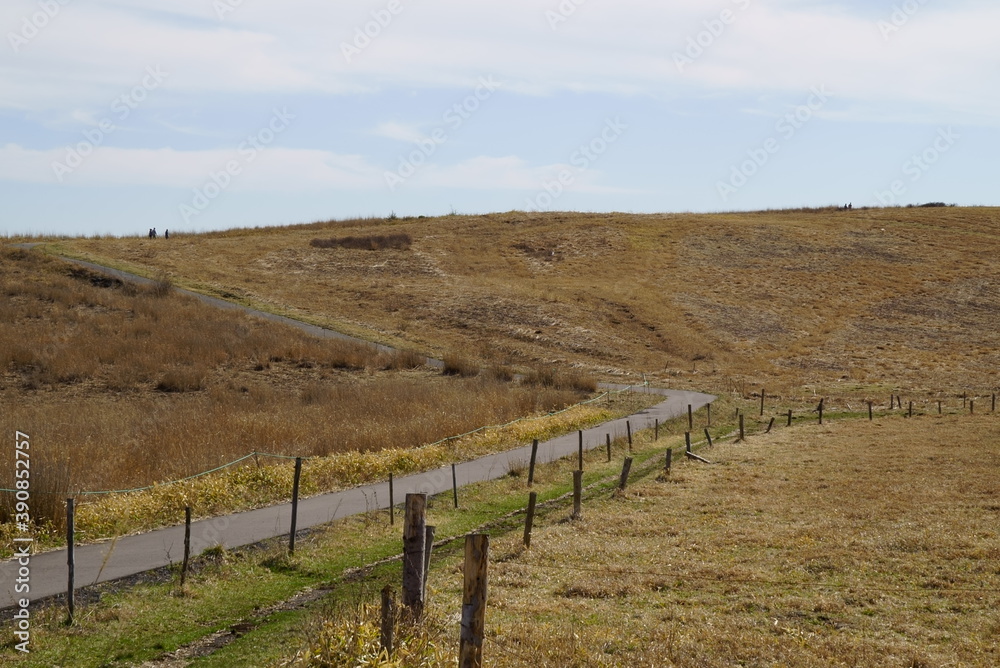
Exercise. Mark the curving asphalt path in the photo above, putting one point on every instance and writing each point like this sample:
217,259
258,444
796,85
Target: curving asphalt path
102,562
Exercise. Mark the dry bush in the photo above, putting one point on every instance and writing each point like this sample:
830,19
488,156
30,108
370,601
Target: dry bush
457,364
551,377
182,379
397,241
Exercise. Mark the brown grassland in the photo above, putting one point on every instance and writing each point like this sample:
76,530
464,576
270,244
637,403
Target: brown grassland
122,387
848,544
858,301
853,543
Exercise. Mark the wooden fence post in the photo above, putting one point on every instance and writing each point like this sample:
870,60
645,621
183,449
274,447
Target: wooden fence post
708,437
910,412
789,417
579,448
392,503
295,504
669,458
690,418
769,425
628,428
656,432
531,466
70,563
577,494
892,400
821,410
626,468
994,409
530,519
187,543
742,434
762,402
470,653
939,407
414,550
972,406
609,446
870,416
388,619
687,441
454,485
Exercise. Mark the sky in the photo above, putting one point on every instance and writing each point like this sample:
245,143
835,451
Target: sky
117,116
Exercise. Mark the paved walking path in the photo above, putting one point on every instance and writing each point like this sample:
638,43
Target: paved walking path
102,562
135,554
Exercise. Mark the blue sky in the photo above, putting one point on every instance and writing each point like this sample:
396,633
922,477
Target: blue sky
121,115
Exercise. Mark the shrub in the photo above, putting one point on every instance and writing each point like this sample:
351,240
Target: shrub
456,364
397,241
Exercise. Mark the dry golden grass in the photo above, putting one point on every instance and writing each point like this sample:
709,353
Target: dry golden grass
848,544
846,301
121,387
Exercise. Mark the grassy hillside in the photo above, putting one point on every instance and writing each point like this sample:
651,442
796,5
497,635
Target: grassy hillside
866,300
122,387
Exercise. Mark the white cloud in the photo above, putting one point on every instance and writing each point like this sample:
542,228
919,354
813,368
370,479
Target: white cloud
943,56
399,131
272,169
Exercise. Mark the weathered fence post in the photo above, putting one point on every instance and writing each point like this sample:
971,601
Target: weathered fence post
939,407
388,619
892,400
910,411
579,448
626,468
454,485
628,428
70,562
789,417
577,494
474,601
762,402
656,430
392,503
708,437
972,407
531,465
669,458
295,504
690,418
994,409
414,550
187,543
609,446
769,425
530,519
820,409
687,441
742,434
870,416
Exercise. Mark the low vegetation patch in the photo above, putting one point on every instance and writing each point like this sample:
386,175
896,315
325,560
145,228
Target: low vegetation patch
399,241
